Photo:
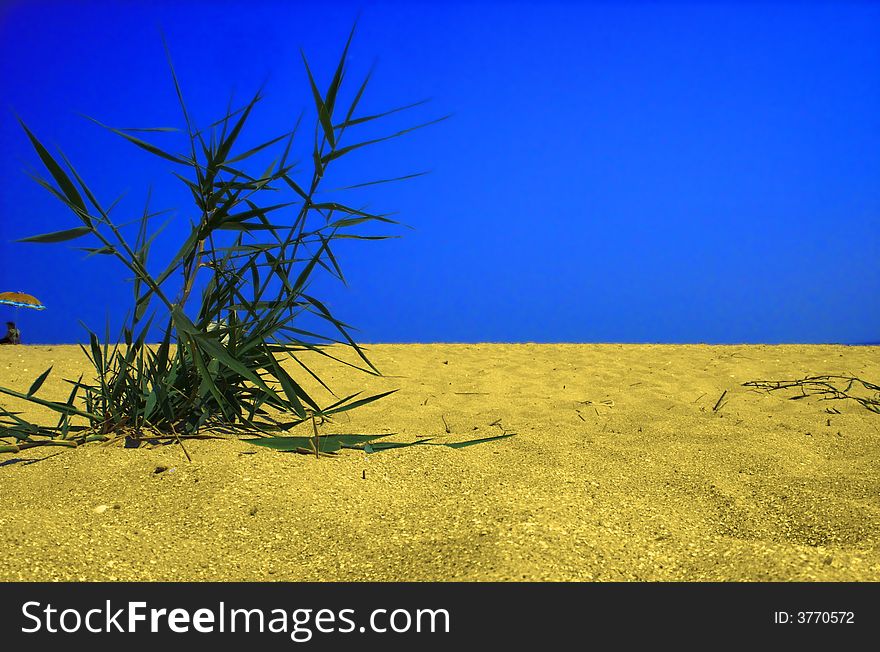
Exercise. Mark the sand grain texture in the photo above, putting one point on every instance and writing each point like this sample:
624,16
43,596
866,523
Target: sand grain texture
620,471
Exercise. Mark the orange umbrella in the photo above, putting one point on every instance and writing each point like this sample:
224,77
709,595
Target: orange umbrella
21,300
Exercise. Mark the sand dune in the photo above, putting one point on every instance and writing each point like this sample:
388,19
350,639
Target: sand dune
620,470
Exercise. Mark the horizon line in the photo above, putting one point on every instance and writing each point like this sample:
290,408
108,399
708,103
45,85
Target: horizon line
481,342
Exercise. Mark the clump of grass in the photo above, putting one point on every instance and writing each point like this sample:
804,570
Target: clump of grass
218,367
827,388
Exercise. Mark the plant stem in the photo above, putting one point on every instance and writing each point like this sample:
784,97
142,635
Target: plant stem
315,430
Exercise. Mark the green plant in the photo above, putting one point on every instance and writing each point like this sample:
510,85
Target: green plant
220,371
331,444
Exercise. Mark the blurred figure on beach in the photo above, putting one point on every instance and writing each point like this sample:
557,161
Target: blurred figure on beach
13,335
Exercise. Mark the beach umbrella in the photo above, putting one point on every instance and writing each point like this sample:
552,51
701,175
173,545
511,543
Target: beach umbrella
21,300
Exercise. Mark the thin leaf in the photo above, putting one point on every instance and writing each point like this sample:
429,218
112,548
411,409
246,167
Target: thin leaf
376,447
52,405
379,181
336,153
323,115
59,236
95,251
55,170
256,149
351,122
226,145
472,442
336,82
35,386
144,145
355,404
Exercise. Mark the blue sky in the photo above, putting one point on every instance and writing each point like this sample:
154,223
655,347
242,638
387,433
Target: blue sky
611,172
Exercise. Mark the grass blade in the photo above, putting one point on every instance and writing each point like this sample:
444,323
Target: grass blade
59,236
35,386
55,170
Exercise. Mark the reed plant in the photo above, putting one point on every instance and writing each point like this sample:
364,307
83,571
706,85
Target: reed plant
219,366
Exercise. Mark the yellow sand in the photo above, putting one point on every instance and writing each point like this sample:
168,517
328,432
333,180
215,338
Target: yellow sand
651,485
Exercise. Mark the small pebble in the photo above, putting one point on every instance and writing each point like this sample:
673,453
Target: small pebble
100,509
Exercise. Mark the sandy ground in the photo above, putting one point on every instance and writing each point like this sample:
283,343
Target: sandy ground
653,485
